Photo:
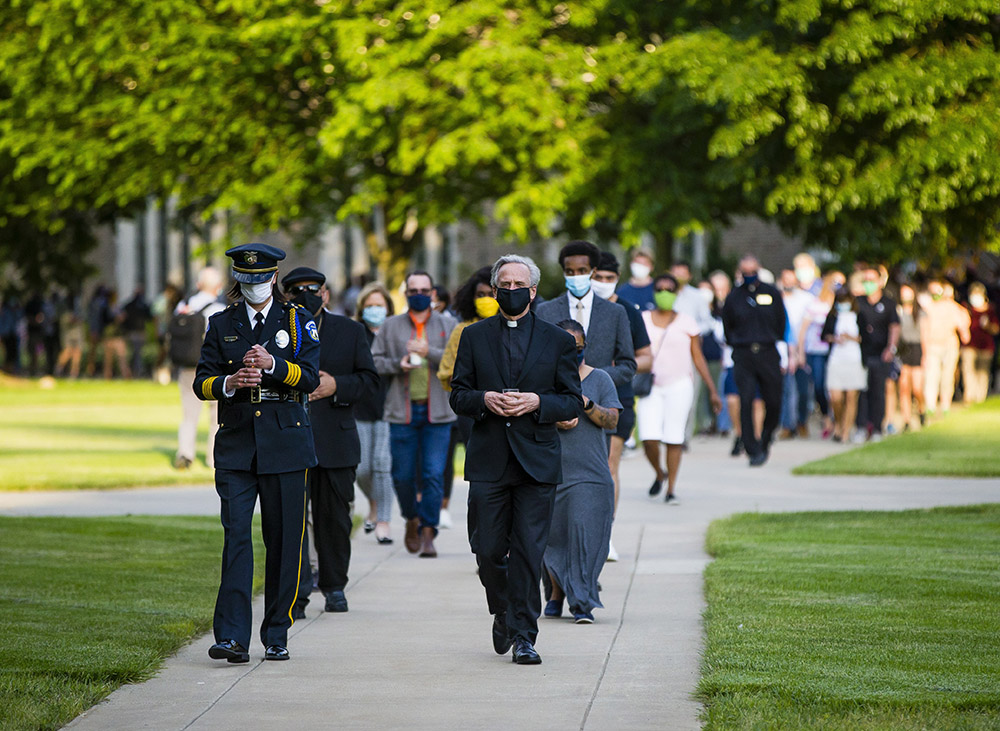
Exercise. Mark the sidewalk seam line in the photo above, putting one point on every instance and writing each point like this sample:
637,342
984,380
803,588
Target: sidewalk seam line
221,696
614,640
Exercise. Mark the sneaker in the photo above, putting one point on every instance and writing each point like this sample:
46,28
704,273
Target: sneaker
444,520
860,436
671,499
553,608
612,553
181,463
583,618
890,429
737,447
802,431
876,437
655,488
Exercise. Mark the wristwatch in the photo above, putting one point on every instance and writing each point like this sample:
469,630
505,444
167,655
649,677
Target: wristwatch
589,406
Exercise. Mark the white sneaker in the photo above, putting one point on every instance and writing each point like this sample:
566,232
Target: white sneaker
444,520
612,553
859,436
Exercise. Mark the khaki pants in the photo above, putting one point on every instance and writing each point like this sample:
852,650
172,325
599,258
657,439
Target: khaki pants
976,374
940,362
190,412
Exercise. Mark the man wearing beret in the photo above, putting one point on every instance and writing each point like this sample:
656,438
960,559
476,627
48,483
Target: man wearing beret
259,361
346,375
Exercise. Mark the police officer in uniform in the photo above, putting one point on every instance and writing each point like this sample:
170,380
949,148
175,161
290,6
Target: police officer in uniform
260,362
346,376
754,319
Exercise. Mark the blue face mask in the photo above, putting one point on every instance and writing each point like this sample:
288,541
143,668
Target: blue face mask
419,302
374,315
843,307
751,278
578,285
579,356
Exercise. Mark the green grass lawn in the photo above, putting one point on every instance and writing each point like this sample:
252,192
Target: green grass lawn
962,444
854,621
93,434
87,604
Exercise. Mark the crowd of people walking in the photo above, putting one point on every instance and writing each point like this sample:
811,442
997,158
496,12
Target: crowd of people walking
545,396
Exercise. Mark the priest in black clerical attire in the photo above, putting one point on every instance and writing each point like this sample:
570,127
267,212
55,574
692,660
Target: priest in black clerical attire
515,376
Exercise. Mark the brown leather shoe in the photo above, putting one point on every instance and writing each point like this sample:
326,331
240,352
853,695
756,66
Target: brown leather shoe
412,538
427,549
802,431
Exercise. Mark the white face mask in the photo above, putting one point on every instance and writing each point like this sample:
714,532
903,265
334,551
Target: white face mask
976,300
603,289
639,271
256,294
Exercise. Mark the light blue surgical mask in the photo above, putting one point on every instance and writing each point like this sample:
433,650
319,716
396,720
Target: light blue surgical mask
578,285
374,315
843,307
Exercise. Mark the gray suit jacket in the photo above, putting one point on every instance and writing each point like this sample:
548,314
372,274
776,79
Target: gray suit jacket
609,338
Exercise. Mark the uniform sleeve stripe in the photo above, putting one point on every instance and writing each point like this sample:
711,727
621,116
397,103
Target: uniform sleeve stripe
294,374
206,386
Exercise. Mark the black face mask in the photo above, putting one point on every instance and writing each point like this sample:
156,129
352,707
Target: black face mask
514,301
312,302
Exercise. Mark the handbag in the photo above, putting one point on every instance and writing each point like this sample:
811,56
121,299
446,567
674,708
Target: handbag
642,383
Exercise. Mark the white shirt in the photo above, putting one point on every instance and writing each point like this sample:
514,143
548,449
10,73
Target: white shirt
691,303
196,302
252,317
588,306
796,303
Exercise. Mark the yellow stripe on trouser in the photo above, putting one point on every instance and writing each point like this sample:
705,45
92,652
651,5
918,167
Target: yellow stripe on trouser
206,387
298,576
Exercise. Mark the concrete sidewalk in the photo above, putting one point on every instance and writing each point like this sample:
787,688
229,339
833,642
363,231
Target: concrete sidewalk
415,650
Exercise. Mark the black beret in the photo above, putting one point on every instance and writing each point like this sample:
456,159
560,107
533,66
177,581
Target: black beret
302,274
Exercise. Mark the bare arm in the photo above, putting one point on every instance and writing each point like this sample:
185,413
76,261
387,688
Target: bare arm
644,360
702,367
604,417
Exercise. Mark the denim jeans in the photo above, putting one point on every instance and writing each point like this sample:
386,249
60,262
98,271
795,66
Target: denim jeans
430,443
795,401
817,370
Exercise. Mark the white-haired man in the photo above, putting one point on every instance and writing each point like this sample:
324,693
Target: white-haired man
515,376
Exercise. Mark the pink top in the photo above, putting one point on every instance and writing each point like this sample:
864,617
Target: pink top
672,357
946,322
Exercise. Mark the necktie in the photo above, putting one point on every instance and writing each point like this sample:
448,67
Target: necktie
579,312
258,327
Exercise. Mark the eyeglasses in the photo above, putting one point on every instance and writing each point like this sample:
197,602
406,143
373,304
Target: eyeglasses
300,288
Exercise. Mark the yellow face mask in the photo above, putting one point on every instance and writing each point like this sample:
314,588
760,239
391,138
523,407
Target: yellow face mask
486,307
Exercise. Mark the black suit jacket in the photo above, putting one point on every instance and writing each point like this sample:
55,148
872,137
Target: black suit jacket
277,433
550,370
345,355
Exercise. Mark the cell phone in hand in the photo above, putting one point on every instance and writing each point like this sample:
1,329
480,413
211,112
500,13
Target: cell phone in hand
512,390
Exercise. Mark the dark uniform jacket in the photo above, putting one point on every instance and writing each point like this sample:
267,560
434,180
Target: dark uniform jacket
276,432
345,355
754,314
549,369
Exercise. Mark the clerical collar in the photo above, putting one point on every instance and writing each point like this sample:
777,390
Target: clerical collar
511,323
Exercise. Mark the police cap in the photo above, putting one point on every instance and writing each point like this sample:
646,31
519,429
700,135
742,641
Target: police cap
255,263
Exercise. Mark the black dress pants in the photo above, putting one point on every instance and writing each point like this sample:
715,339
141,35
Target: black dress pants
753,371
282,514
509,523
332,493
878,374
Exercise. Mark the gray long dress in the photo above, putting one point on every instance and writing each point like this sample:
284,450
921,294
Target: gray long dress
584,503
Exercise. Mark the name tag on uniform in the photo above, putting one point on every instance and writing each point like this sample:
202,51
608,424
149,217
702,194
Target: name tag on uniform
230,338
764,299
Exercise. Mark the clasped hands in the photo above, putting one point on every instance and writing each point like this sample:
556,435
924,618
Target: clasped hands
511,404
255,361
414,347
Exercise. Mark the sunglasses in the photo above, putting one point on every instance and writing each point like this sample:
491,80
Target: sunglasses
300,288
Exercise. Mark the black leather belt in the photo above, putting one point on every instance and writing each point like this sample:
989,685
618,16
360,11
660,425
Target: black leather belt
256,394
754,347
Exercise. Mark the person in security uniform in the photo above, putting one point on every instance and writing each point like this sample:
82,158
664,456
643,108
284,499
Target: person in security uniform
260,361
346,376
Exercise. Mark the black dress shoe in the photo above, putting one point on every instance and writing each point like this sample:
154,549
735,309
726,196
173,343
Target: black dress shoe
336,602
524,653
276,652
298,612
230,650
758,459
655,488
501,642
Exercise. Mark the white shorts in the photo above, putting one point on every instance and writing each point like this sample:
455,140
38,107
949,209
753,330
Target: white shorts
662,415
